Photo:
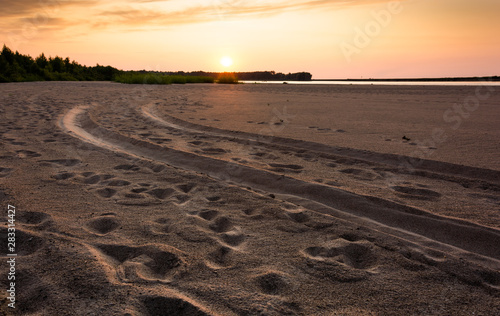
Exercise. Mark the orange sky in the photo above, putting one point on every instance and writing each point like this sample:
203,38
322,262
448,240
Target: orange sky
329,38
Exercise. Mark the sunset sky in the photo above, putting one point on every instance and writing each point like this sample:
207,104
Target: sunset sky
329,38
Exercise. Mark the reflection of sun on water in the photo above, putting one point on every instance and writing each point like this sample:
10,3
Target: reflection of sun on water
226,61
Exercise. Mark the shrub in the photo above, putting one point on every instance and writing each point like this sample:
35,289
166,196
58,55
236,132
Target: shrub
154,78
227,77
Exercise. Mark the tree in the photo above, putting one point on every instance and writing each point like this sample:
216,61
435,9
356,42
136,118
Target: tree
57,64
42,61
8,54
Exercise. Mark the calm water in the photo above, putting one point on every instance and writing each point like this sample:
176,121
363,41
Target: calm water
400,83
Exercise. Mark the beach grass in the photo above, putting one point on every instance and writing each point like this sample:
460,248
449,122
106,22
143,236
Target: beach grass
227,78
152,78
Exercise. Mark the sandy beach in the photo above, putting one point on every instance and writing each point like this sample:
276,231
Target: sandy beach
253,199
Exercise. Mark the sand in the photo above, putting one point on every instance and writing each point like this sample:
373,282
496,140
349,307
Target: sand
253,199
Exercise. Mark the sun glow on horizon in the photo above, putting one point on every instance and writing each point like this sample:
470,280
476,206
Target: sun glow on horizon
226,61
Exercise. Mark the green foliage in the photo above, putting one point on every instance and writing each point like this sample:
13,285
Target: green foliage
132,77
15,67
227,77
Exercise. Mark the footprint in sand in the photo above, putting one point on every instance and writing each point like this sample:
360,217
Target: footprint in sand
157,168
220,257
33,218
27,154
208,214
298,216
418,259
63,176
117,183
103,225
126,167
160,226
341,260
213,198
26,242
191,233
182,198
91,178
272,282
414,193
361,174
196,143
229,234
142,264
36,292
258,154
64,162
213,151
159,140
186,188
106,192
5,172
358,254
221,224
276,167
160,305
161,193
19,143
138,190
234,237
331,165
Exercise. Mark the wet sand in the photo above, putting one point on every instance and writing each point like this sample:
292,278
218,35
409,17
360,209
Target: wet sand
251,199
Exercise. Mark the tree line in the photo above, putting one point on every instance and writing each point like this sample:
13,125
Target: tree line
254,75
15,67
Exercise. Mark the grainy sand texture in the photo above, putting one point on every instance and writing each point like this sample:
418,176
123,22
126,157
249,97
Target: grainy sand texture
254,199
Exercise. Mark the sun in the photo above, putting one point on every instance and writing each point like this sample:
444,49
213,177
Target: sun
226,61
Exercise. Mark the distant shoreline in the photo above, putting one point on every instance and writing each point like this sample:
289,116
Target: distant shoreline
450,79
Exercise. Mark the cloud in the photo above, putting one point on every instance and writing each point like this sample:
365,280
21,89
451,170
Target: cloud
147,14
214,10
20,8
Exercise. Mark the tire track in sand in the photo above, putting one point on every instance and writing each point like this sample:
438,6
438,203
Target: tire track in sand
397,219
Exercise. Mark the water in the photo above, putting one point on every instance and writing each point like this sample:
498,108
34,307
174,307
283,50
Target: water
392,83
